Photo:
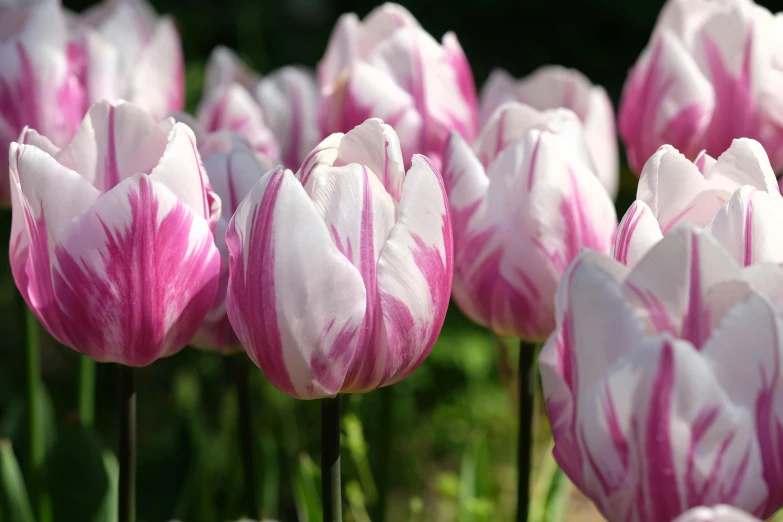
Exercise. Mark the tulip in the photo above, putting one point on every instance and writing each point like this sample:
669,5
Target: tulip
716,514
151,67
388,66
663,381
284,101
711,73
552,87
47,79
340,274
736,197
111,241
524,202
233,168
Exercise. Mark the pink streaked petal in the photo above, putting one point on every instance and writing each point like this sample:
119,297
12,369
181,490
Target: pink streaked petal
367,92
289,100
601,138
415,271
744,163
465,181
381,23
283,256
716,514
753,376
497,90
232,173
747,226
680,302
113,143
638,232
666,99
158,79
224,68
233,108
375,145
31,137
465,121
181,170
323,155
341,52
135,275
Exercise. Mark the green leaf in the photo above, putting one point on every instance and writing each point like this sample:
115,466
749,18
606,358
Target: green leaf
550,492
308,501
75,475
108,510
14,492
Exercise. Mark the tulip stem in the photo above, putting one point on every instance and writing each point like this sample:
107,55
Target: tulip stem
37,445
331,497
527,354
383,450
246,434
86,390
126,409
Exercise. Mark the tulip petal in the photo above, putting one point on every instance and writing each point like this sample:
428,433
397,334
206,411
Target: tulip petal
716,514
323,155
181,171
288,98
135,275
283,255
497,90
745,163
225,68
158,79
747,226
666,100
682,303
368,92
415,271
233,108
113,143
341,52
638,232
375,145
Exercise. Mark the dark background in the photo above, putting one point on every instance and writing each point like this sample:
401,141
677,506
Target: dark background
453,429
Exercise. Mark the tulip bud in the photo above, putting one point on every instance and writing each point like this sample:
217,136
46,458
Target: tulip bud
554,87
111,241
736,197
281,105
524,202
711,73
388,66
663,381
340,274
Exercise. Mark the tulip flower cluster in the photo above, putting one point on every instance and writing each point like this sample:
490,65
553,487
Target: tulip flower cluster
321,220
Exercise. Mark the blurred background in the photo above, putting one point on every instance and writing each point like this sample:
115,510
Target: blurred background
452,432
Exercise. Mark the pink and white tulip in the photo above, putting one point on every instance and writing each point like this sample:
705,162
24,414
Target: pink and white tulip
387,66
111,241
552,87
524,201
663,381
716,514
280,109
151,66
233,168
47,78
736,197
712,72
340,274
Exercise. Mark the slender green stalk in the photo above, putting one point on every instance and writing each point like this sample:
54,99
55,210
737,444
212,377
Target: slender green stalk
527,354
383,450
247,435
37,446
86,390
331,497
126,410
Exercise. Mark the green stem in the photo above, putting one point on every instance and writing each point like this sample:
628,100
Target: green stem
247,434
86,390
331,496
37,446
527,355
126,409
383,450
